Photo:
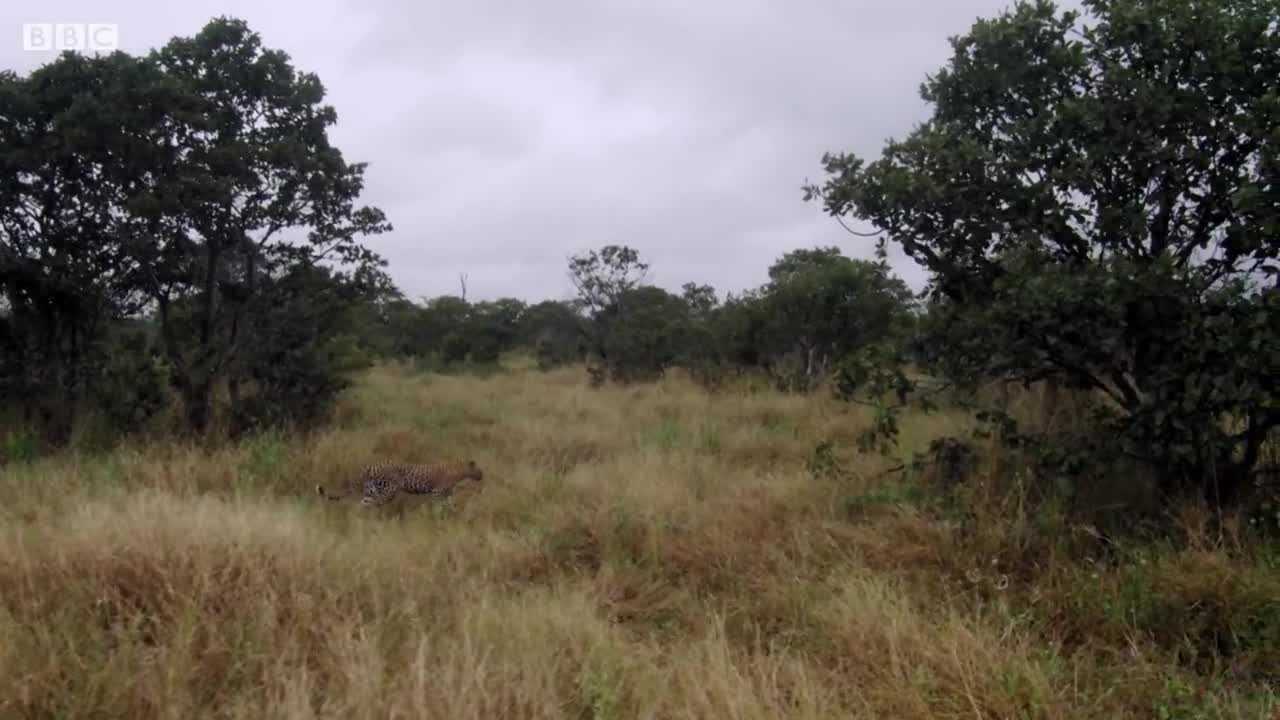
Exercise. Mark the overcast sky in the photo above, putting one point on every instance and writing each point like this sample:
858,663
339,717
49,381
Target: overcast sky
503,136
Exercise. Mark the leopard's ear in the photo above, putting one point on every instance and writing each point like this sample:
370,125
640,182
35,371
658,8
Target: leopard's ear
471,464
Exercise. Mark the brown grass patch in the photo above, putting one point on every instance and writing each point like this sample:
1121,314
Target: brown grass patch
647,551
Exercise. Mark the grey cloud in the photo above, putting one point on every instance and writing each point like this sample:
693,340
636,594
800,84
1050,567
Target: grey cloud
502,136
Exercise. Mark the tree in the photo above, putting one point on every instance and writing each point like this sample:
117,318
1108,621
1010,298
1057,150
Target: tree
491,329
440,329
1098,204
739,327
643,333
385,323
181,183
233,180
553,330
700,299
602,278
703,348
63,274
299,332
820,306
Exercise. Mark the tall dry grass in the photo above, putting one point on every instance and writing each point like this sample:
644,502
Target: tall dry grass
648,551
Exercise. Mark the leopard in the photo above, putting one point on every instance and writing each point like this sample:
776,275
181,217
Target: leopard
382,482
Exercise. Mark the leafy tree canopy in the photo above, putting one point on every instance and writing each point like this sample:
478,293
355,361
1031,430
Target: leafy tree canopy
1098,203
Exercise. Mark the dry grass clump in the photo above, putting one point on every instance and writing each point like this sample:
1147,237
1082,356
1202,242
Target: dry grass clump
650,551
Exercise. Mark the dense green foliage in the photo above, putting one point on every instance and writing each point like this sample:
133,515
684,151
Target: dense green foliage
1097,205
194,189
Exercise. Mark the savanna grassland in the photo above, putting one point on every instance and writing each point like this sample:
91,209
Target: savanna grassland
647,551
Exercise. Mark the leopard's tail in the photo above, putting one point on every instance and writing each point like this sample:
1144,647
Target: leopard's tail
327,496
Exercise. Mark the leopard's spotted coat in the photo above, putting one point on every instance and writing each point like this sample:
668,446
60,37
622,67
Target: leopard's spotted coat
381,482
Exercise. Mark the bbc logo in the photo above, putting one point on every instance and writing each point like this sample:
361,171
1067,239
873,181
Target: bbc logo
44,37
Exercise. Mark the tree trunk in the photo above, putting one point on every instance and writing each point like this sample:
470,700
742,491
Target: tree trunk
196,399
1049,402
1232,484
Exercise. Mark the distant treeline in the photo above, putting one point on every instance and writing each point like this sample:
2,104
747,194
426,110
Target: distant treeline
817,306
